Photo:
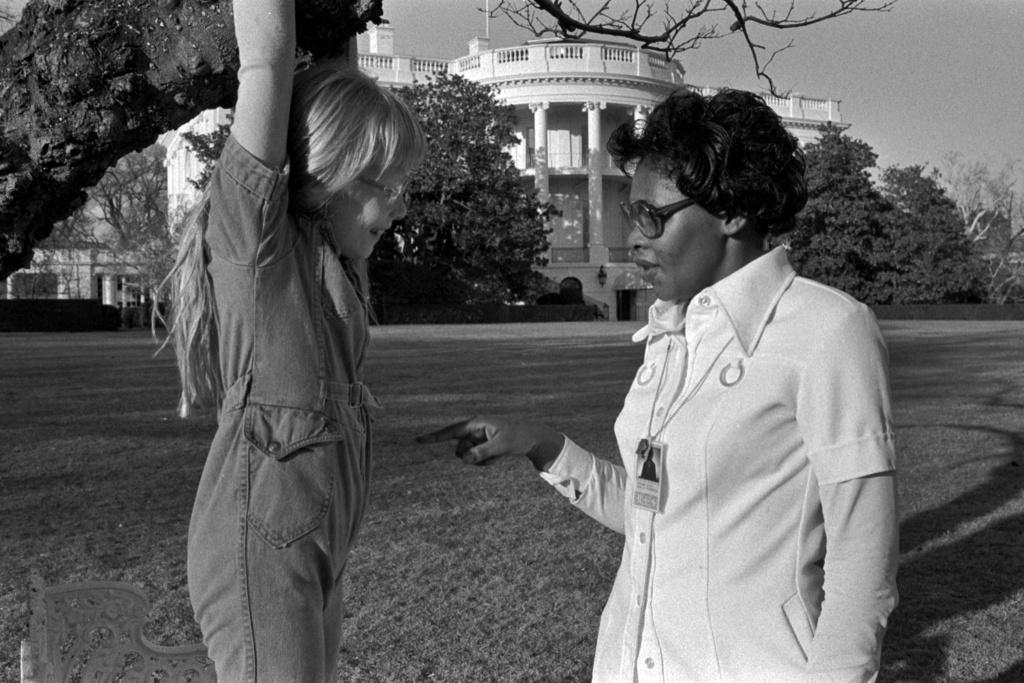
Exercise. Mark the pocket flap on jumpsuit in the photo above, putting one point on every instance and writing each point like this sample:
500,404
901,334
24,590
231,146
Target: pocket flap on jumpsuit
278,431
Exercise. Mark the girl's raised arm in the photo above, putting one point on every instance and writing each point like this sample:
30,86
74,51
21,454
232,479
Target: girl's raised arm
265,31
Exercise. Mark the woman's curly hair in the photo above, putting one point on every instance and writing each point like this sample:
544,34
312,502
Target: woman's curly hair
729,151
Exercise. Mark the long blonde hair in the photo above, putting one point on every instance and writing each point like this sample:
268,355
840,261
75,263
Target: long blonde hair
342,126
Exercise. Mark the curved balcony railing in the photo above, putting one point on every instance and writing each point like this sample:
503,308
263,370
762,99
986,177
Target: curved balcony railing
795,106
554,58
587,58
393,69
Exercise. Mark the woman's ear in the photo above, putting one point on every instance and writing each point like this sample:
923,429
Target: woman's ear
737,225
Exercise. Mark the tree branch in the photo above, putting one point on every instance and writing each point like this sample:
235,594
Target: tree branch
681,26
84,82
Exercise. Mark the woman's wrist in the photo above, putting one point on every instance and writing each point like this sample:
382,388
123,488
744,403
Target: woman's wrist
549,447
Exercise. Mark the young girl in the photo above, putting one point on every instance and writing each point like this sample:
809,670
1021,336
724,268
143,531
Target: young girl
270,325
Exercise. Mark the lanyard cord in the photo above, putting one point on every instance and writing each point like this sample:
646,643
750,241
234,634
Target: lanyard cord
657,390
686,398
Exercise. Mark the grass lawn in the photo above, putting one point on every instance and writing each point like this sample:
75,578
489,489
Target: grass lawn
486,574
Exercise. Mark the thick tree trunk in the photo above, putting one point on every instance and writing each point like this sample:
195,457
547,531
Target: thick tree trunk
84,82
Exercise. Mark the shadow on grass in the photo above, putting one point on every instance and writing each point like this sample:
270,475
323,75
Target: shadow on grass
940,581
961,574
1014,674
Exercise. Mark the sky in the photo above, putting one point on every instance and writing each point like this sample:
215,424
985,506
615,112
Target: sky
924,79
919,81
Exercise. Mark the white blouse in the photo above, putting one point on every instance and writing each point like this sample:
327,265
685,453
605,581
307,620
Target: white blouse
768,400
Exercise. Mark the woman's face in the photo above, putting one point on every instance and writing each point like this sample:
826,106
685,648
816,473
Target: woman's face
691,254
363,212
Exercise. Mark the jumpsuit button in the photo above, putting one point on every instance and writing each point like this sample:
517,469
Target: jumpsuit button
643,537
273,448
649,662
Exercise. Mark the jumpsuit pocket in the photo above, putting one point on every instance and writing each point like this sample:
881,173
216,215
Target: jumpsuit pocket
292,470
799,623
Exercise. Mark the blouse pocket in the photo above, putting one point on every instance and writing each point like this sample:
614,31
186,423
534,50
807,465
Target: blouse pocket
291,470
799,623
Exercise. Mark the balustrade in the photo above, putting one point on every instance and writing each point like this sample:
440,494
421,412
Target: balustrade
569,255
617,54
430,66
619,255
512,54
816,105
381,62
656,61
468,63
565,52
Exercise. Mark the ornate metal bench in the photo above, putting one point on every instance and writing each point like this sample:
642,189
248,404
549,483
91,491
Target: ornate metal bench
93,632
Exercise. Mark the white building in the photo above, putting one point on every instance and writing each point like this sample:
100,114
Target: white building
568,97
78,270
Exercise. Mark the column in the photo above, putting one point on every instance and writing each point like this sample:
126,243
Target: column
109,290
540,149
595,183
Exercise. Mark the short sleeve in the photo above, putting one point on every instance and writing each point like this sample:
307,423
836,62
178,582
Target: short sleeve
844,409
248,222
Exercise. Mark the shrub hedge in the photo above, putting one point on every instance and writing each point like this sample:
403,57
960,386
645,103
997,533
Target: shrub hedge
57,315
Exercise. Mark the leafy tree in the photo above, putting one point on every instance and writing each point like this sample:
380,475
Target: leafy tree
841,233
473,229
931,255
896,244
207,147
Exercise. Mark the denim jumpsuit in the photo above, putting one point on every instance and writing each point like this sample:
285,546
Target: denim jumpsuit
285,483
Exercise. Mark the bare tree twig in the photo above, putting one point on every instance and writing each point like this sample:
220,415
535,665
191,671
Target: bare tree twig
681,25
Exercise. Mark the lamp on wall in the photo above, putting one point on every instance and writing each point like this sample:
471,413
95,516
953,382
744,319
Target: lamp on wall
602,276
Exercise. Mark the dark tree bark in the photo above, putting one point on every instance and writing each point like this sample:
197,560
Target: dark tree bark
84,82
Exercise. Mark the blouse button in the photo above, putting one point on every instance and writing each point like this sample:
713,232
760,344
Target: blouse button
649,662
661,411
704,300
643,537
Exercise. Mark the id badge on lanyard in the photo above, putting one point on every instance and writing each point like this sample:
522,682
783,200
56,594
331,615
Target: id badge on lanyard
650,459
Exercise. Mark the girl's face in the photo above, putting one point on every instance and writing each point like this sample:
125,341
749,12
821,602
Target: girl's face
364,211
691,254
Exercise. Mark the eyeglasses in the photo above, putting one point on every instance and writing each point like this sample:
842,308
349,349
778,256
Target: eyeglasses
650,220
390,193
